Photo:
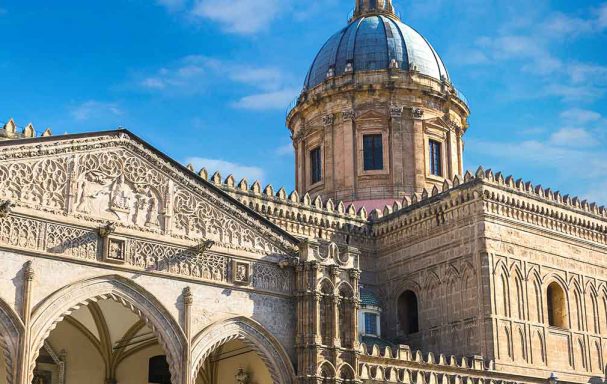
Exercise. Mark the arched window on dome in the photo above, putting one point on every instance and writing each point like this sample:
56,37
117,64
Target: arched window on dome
408,313
556,305
372,4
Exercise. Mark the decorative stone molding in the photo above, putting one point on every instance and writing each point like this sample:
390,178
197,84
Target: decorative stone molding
114,249
107,229
396,111
328,120
6,207
251,334
417,113
348,115
241,272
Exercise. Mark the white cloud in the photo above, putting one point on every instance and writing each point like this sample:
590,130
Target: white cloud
572,137
269,87
268,100
580,116
573,92
602,16
239,16
285,150
574,151
227,168
187,76
583,73
94,109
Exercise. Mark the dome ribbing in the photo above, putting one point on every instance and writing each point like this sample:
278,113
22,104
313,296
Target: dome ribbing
375,42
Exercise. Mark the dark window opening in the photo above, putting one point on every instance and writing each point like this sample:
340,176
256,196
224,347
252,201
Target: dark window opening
556,303
408,313
373,152
371,324
316,165
436,164
158,370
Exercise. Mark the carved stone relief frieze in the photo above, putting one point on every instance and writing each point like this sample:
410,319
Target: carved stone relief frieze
116,179
117,186
41,182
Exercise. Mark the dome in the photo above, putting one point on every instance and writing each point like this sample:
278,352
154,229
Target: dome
373,43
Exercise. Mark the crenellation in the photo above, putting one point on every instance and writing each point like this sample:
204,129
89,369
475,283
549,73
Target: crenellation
256,188
9,131
229,181
216,178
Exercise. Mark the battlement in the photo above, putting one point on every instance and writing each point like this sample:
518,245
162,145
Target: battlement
402,365
10,131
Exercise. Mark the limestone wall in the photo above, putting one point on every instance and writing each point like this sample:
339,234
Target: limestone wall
523,259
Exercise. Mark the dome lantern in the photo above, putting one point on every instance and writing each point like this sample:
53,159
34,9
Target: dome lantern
373,7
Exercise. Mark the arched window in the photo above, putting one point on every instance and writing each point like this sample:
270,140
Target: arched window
326,313
346,333
408,313
557,306
158,370
327,374
372,4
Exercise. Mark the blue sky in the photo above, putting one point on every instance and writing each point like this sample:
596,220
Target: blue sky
208,81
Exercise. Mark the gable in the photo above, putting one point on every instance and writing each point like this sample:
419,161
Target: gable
116,177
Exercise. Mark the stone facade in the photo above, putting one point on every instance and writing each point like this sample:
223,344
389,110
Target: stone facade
479,252
120,265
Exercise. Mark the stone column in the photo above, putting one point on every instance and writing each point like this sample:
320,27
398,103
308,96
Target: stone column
24,373
328,154
188,300
397,153
349,153
419,149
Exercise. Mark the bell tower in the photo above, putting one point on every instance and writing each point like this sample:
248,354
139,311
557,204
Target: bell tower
378,118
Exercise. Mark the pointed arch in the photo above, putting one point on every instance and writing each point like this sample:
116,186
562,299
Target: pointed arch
468,289
538,351
250,333
534,294
11,330
327,372
63,302
325,286
517,295
346,372
592,310
346,315
577,310
502,292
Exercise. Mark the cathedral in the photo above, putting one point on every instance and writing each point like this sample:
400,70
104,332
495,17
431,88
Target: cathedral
389,263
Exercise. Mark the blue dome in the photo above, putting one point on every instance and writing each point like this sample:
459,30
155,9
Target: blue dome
372,43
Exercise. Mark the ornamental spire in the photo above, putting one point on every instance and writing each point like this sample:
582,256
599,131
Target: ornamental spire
373,7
